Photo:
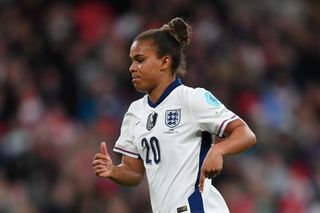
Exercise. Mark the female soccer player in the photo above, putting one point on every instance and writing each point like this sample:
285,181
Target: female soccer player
161,133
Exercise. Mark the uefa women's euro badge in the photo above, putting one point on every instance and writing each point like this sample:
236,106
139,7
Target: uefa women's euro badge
213,101
152,119
173,117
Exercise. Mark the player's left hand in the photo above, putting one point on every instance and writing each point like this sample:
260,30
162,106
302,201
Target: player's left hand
212,166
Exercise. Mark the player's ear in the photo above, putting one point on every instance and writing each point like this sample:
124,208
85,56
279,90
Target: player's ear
165,63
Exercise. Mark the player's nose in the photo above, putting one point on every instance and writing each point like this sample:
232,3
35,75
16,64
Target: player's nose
132,68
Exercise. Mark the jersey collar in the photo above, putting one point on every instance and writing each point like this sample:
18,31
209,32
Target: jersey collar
166,92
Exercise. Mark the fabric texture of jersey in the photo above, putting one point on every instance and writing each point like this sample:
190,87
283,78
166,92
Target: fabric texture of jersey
167,136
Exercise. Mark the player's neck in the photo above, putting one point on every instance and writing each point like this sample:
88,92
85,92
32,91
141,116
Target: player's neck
156,93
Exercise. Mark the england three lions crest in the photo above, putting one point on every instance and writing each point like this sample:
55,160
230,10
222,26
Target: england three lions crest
173,117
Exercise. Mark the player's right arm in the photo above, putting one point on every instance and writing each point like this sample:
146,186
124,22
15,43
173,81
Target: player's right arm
129,173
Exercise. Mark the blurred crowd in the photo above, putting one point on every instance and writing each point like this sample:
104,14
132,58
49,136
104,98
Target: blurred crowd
65,86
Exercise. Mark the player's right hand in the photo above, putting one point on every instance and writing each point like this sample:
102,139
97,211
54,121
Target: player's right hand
102,163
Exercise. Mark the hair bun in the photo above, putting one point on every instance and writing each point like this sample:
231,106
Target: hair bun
180,30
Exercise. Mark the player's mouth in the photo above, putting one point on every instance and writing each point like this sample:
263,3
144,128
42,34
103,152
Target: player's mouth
135,79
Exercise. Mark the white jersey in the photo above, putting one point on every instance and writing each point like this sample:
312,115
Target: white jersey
167,136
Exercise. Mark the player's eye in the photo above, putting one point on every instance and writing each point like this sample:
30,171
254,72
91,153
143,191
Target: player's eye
139,60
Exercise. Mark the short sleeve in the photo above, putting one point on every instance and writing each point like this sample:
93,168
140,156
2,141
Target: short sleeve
125,143
209,113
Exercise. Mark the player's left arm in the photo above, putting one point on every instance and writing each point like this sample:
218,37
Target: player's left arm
239,138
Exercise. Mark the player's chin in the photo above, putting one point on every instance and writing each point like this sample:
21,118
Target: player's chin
139,87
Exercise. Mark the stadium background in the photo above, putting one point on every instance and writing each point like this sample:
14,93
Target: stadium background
65,85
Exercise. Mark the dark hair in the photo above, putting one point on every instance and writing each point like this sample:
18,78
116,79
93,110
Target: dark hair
171,39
